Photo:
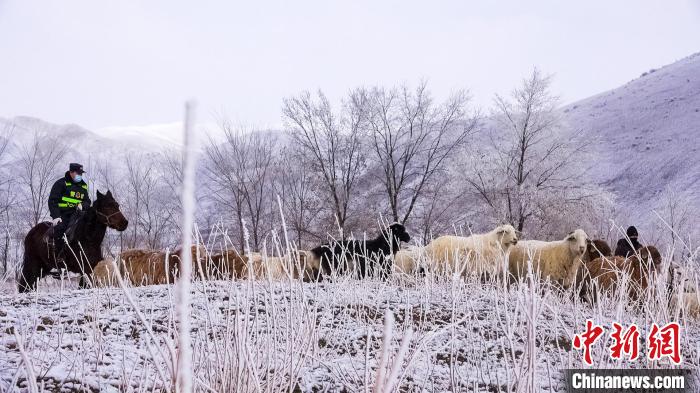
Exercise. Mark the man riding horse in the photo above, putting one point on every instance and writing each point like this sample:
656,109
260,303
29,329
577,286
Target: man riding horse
86,222
69,195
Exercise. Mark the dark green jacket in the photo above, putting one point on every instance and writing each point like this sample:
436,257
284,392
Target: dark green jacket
66,195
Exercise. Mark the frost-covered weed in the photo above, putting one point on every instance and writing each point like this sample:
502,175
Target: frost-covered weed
412,333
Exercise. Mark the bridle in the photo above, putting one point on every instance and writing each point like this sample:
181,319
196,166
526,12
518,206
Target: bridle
107,217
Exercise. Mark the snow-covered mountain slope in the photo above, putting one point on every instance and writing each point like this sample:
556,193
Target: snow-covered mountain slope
94,151
157,136
645,135
80,143
147,138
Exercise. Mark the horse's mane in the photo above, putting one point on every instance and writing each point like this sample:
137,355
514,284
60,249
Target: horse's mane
87,226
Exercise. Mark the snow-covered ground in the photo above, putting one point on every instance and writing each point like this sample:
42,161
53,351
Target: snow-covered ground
274,336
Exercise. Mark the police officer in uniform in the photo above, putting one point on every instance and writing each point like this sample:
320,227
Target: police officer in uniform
68,195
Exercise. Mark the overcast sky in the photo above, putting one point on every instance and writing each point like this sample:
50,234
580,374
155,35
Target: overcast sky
129,63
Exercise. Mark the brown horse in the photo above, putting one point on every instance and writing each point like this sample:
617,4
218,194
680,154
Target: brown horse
84,250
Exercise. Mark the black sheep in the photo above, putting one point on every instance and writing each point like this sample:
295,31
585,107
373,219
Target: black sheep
367,255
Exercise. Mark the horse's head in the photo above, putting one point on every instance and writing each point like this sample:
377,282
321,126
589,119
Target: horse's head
108,212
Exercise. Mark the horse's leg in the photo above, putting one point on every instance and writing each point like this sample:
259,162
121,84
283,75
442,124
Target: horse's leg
86,281
362,271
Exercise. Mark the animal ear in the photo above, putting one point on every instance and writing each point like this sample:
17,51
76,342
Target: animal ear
644,253
99,194
501,230
109,193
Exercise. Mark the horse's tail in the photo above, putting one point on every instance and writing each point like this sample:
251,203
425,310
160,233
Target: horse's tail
31,265
25,278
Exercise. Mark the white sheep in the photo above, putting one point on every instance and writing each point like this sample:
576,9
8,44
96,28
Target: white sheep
558,261
263,267
479,253
105,273
298,265
690,304
685,286
409,260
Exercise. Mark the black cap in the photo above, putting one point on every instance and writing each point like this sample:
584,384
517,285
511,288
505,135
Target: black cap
74,167
632,232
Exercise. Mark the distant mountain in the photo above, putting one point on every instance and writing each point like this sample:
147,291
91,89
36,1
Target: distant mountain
81,143
152,137
645,135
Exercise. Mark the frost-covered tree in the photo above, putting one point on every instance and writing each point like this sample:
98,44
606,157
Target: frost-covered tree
298,190
529,170
5,200
411,139
105,176
239,173
5,196
676,222
333,142
438,211
150,206
39,161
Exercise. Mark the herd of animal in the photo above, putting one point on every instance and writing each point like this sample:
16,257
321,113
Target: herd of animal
498,254
363,258
150,267
575,260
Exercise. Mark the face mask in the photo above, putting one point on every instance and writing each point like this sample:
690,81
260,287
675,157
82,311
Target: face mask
78,178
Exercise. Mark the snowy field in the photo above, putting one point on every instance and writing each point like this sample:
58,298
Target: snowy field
448,335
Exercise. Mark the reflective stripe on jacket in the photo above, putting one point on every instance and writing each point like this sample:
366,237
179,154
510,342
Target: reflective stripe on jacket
66,195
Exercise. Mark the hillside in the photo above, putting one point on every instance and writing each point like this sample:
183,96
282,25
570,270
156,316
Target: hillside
645,135
81,143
